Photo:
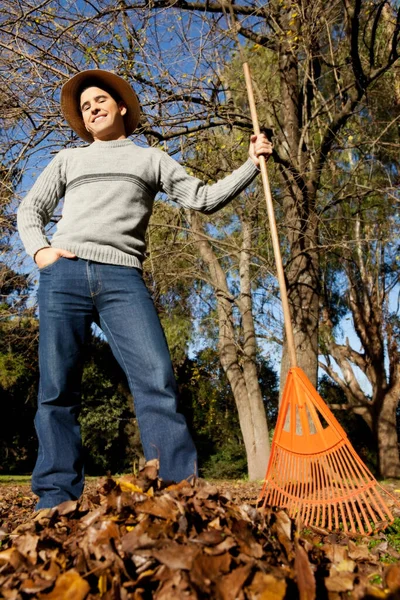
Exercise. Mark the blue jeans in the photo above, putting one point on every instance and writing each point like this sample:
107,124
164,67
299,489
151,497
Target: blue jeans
72,294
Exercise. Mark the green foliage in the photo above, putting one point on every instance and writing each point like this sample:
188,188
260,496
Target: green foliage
12,368
18,374
229,462
177,328
393,534
108,425
207,402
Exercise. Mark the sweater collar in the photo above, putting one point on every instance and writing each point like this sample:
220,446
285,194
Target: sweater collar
110,144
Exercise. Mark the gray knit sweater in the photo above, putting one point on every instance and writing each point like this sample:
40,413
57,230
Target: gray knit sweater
109,190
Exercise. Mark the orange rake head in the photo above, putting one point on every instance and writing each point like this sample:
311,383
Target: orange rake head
314,472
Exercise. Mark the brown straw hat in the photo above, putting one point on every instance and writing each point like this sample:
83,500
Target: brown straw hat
70,93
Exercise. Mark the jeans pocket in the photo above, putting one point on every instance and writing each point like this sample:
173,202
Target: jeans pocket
50,265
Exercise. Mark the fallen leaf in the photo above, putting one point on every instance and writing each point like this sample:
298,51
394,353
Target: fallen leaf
304,574
148,475
227,544
128,486
66,508
335,552
178,543
207,570
163,507
284,524
139,537
340,583
344,566
12,557
392,577
374,592
26,544
229,586
266,587
242,532
283,527
176,556
102,584
33,586
359,552
69,586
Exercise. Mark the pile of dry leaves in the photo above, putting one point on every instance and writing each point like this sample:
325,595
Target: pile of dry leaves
135,539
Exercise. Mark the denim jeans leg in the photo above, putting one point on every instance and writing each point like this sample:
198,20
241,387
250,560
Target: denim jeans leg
130,322
65,316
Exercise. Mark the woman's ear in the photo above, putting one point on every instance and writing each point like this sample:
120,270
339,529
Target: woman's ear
122,108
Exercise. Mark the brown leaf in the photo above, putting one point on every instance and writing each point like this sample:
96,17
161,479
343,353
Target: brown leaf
335,552
283,526
247,542
227,544
343,582
33,586
92,516
176,556
359,552
304,574
176,587
374,593
210,537
266,587
148,474
66,508
208,569
27,544
228,586
162,506
49,571
139,537
11,594
392,577
69,586
11,556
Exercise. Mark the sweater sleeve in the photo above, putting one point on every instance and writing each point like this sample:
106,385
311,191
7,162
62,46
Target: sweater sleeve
38,206
191,192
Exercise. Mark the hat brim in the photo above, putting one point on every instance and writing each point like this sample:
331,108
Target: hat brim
70,100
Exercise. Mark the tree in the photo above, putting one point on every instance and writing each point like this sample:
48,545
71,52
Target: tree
369,279
360,278
209,406
321,61
18,369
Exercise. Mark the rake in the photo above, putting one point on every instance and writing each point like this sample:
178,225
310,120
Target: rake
313,471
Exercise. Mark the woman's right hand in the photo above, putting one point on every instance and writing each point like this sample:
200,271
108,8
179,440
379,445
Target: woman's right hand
46,256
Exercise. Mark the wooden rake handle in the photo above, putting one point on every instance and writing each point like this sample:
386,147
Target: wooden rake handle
272,224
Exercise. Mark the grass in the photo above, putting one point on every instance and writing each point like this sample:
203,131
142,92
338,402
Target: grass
393,534
18,479
26,479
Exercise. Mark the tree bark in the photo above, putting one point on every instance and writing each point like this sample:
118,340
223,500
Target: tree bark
387,437
301,223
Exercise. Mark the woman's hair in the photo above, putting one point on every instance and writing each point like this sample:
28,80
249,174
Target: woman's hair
93,82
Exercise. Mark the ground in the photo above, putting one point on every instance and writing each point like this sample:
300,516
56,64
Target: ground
133,538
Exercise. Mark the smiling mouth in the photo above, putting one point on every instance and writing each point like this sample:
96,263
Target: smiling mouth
99,117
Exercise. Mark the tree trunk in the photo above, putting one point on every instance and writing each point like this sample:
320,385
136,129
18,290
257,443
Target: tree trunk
304,290
387,438
301,224
241,372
